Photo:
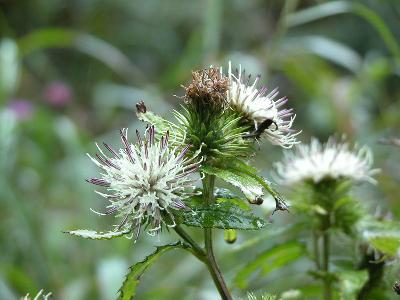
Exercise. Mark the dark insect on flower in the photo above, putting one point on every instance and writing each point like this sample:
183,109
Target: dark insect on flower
141,107
261,108
261,128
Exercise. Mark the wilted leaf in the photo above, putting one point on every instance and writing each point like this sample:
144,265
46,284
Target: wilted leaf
128,289
94,235
223,215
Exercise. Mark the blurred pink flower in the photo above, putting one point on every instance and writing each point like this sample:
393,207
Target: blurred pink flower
58,93
23,109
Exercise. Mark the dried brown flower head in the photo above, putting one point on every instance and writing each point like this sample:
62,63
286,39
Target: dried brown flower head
209,86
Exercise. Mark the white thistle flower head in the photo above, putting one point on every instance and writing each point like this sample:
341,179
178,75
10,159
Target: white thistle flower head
145,181
261,109
317,162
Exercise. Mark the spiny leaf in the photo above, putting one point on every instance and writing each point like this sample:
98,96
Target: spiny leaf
94,235
224,215
128,289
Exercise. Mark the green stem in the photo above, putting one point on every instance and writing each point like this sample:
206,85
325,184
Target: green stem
316,251
197,250
208,194
325,261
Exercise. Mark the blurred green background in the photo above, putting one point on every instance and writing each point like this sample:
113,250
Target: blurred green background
71,73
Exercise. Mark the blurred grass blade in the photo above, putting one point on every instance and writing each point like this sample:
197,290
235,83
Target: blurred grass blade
212,30
273,258
64,38
9,67
377,22
317,12
128,289
326,48
339,7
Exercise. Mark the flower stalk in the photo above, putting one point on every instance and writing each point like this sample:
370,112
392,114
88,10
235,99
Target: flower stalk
325,265
208,194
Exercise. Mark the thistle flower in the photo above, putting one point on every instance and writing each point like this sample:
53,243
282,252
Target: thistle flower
146,181
261,110
317,162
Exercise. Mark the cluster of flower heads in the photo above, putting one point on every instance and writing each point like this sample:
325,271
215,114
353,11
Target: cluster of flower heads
260,109
317,162
145,181
148,180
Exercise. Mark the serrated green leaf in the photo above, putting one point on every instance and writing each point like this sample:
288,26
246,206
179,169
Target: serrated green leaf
223,215
94,235
387,244
241,203
384,236
351,283
245,177
274,258
224,193
128,289
248,185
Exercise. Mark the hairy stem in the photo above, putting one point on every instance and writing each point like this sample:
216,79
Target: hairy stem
208,194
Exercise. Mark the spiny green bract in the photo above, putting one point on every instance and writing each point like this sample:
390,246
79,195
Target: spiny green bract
330,197
218,134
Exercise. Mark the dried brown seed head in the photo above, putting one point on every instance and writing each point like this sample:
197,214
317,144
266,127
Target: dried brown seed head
209,86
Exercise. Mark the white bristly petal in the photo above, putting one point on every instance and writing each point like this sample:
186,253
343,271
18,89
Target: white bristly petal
316,162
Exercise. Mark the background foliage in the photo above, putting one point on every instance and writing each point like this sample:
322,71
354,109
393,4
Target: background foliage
71,73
